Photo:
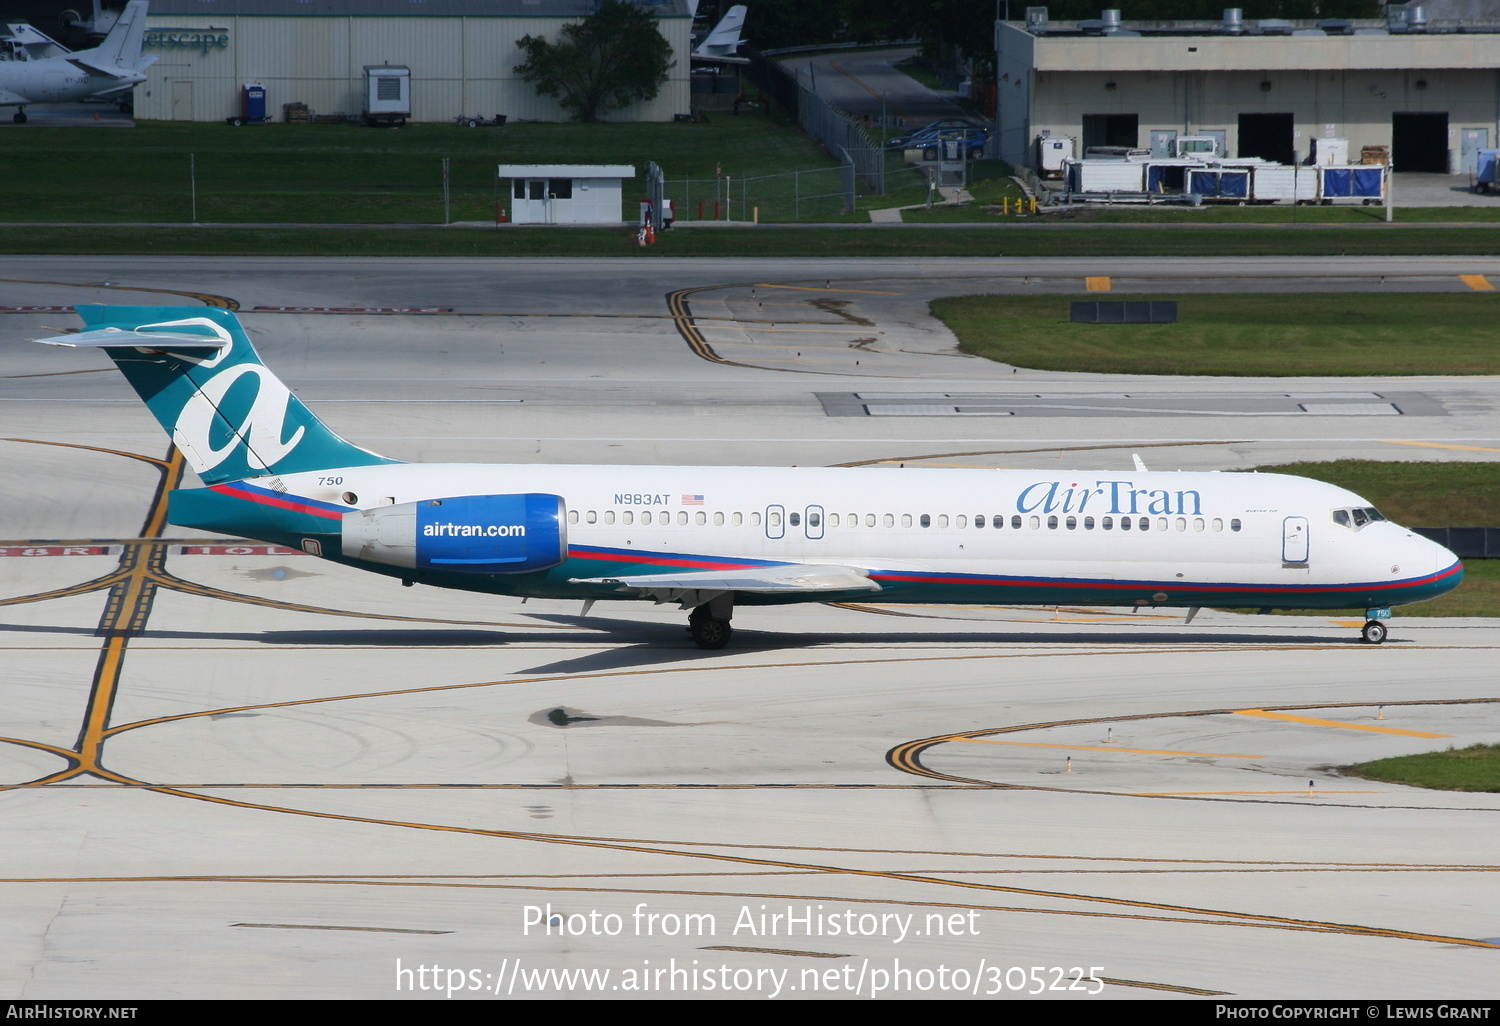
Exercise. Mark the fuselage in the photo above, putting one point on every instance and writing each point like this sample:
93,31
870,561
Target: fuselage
958,536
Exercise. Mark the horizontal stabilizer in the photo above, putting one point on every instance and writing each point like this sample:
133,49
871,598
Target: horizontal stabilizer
162,341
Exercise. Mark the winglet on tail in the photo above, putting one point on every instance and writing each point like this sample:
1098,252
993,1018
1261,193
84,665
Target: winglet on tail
198,373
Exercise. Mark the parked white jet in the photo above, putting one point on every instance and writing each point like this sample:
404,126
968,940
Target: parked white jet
721,44
708,538
37,69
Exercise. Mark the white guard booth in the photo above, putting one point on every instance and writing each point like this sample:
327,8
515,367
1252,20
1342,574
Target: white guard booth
566,193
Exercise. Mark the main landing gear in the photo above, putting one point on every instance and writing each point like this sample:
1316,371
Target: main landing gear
19,117
709,623
1374,632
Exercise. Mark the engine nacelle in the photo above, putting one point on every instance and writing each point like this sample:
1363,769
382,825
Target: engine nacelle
468,534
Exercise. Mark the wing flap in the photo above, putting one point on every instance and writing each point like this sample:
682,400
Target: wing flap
787,579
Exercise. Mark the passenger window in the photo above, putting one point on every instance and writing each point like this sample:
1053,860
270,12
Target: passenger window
682,518
627,517
1108,523
1034,523
1218,524
962,520
1161,523
700,518
591,517
1145,524
1088,523
906,520
979,520
795,519
718,520
1198,524
754,518
1234,525
1124,523
572,516
869,519
833,520
1015,522
925,520
1182,523
775,520
1072,523
814,520
646,516
942,520
737,519
889,520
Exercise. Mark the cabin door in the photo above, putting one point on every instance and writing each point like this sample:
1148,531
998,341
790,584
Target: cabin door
1294,540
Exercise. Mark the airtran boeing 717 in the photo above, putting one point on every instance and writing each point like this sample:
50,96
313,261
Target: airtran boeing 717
711,538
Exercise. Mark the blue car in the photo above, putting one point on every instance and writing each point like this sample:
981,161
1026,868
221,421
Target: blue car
974,136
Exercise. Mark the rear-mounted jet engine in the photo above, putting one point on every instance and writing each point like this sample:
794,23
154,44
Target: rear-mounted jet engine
469,534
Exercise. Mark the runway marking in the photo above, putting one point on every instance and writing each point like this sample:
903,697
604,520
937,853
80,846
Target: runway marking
1112,748
1334,723
1020,452
907,756
1249,919
1442,445
814,288
1301,791
351,929
206,298
774,951
1477,282
1098,284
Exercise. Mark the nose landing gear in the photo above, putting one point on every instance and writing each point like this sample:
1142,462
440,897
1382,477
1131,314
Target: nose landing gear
1374,632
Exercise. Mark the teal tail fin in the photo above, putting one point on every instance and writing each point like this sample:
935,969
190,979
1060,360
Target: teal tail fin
198,373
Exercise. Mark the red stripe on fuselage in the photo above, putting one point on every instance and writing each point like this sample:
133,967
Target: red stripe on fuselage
277,501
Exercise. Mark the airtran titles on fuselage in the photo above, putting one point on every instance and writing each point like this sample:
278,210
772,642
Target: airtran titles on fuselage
474,530
1106,497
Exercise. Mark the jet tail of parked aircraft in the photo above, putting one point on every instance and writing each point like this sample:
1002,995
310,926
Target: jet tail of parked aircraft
721,44
120,52
202,379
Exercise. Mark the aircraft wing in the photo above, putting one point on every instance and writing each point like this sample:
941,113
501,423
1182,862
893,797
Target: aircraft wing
786,579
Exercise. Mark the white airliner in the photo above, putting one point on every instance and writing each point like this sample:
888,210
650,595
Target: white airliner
37,69
711,538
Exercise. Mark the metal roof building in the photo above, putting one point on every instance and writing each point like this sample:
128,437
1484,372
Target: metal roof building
461,54
1428,89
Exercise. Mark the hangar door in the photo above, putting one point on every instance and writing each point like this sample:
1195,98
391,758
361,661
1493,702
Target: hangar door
1268,136
1419,142
1111,130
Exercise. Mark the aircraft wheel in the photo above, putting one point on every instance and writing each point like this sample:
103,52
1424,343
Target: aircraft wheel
19,117
1373,632
709,633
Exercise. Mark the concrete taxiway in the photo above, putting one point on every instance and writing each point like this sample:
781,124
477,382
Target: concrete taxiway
231,770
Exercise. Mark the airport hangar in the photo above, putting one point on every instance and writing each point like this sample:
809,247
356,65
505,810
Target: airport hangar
461,55
1428,89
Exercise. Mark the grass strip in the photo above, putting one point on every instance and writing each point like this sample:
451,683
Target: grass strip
1246,334
1476,768
893,241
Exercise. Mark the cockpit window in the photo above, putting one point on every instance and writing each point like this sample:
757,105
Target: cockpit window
1358,517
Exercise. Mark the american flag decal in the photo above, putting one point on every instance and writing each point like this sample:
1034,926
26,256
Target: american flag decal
692,500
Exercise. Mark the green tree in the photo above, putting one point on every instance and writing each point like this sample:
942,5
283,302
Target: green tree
613,57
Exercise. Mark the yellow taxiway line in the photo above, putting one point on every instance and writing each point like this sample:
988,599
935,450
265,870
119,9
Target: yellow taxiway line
1112,748
1334,723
